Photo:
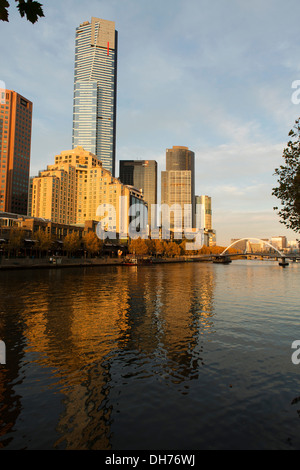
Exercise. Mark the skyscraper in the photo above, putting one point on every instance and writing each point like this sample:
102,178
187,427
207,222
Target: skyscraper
15,143
204,210
178,185
142,174
95,90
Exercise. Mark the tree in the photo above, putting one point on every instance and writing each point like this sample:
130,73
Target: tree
30,8
44,241
16,240
151,246
288,191
182,247
172,249
138,246
204,250
159,247
72,242
92,243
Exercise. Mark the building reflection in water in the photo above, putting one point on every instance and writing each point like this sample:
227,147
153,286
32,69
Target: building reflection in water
95,330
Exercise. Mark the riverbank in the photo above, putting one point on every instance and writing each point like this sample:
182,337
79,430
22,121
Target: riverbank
64,262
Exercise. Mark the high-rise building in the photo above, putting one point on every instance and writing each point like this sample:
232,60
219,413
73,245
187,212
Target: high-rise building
15,144
203,209
142,174
95,90
72,190
279,242
203,212
178,186
53,194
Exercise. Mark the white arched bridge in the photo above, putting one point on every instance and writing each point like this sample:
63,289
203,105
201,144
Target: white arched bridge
225,257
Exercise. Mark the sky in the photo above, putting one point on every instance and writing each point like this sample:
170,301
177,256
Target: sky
213,76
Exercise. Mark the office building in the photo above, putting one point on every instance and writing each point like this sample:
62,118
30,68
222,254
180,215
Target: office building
203,208
72,189
53,194
15,145
95,90
279,242
178,186
141,174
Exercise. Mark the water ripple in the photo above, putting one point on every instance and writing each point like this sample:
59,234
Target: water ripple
122,359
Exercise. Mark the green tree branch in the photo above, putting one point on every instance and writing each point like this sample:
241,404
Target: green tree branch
288,189
31,9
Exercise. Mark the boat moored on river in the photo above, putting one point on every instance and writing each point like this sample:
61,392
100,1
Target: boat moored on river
222,260
130,262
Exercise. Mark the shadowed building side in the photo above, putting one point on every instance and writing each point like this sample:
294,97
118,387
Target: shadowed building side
142,174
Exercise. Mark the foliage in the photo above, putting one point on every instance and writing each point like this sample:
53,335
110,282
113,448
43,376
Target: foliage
16,240
92,243
159,247
288,191
31,9
138,246
43,240
72,242
182,247
170,249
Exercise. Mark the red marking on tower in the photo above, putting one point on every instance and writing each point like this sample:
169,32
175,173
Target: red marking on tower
108,48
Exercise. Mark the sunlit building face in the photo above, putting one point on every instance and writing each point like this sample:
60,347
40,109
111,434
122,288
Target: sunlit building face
15,143
95,86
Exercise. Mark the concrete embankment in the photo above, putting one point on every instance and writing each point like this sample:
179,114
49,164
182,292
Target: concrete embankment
64,262
55,263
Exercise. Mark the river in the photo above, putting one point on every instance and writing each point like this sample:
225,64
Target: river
184,356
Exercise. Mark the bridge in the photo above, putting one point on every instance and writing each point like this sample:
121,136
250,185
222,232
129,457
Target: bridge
225,258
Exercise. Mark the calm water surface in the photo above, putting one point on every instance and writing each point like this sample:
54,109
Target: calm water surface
185,356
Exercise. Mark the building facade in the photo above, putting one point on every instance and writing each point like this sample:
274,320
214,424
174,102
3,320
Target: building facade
142,174
178,186
279,242
15,147
53,194
95,90
203,209
78,188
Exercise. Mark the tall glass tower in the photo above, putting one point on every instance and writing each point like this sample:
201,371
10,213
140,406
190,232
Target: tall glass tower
178,183
95,90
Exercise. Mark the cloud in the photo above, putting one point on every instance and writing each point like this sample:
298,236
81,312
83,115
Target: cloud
238,162
264,225
213,76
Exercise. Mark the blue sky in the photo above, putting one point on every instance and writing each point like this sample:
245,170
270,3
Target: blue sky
213,76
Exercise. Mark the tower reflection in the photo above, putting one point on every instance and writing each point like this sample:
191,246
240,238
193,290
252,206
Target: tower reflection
94,331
